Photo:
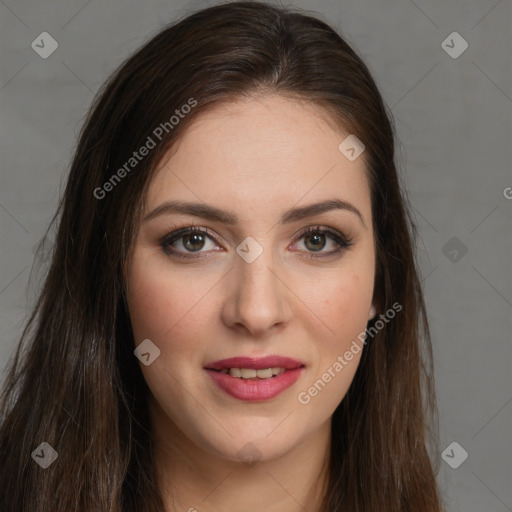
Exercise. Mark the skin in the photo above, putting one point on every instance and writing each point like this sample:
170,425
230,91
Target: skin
257,159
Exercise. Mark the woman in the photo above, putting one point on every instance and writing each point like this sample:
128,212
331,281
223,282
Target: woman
232,318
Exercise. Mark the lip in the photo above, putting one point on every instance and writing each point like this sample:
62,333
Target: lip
256,363
255,389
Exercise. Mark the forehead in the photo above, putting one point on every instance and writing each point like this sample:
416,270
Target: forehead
259,156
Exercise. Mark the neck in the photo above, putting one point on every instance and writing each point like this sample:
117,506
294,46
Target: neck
193,479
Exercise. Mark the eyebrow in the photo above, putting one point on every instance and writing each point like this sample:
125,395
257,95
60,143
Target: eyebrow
226,217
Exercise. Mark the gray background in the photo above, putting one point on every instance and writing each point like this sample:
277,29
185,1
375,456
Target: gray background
454,122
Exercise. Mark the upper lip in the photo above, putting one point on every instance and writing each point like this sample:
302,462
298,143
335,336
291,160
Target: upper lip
257,363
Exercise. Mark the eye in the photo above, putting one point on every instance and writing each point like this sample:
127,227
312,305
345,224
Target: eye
191,239
315,241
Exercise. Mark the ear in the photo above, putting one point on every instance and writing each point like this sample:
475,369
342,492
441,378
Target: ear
372,313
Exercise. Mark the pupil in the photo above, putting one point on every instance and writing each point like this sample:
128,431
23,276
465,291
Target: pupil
198,239
318,237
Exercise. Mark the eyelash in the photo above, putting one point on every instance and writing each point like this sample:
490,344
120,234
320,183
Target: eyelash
341,240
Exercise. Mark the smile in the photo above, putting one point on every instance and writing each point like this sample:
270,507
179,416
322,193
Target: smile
250,373
255,379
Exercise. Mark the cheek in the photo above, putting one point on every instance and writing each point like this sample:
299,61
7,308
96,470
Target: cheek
168,308
344,304
353,300
344,309
164,305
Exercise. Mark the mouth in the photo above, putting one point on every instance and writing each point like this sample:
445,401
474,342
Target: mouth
255,379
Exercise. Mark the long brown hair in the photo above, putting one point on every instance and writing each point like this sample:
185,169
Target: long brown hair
74,381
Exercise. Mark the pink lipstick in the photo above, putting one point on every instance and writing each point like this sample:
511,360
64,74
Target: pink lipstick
255,379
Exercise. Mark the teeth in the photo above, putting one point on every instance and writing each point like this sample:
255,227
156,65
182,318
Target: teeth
248,374
251,373
263,374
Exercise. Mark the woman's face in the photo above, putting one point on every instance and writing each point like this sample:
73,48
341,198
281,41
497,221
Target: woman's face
251,284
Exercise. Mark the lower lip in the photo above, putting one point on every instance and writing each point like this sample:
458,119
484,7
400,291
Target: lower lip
255,389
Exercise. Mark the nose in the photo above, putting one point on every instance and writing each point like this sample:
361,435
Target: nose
258,300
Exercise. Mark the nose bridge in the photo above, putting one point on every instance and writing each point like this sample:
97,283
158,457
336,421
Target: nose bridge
258,298
256,277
